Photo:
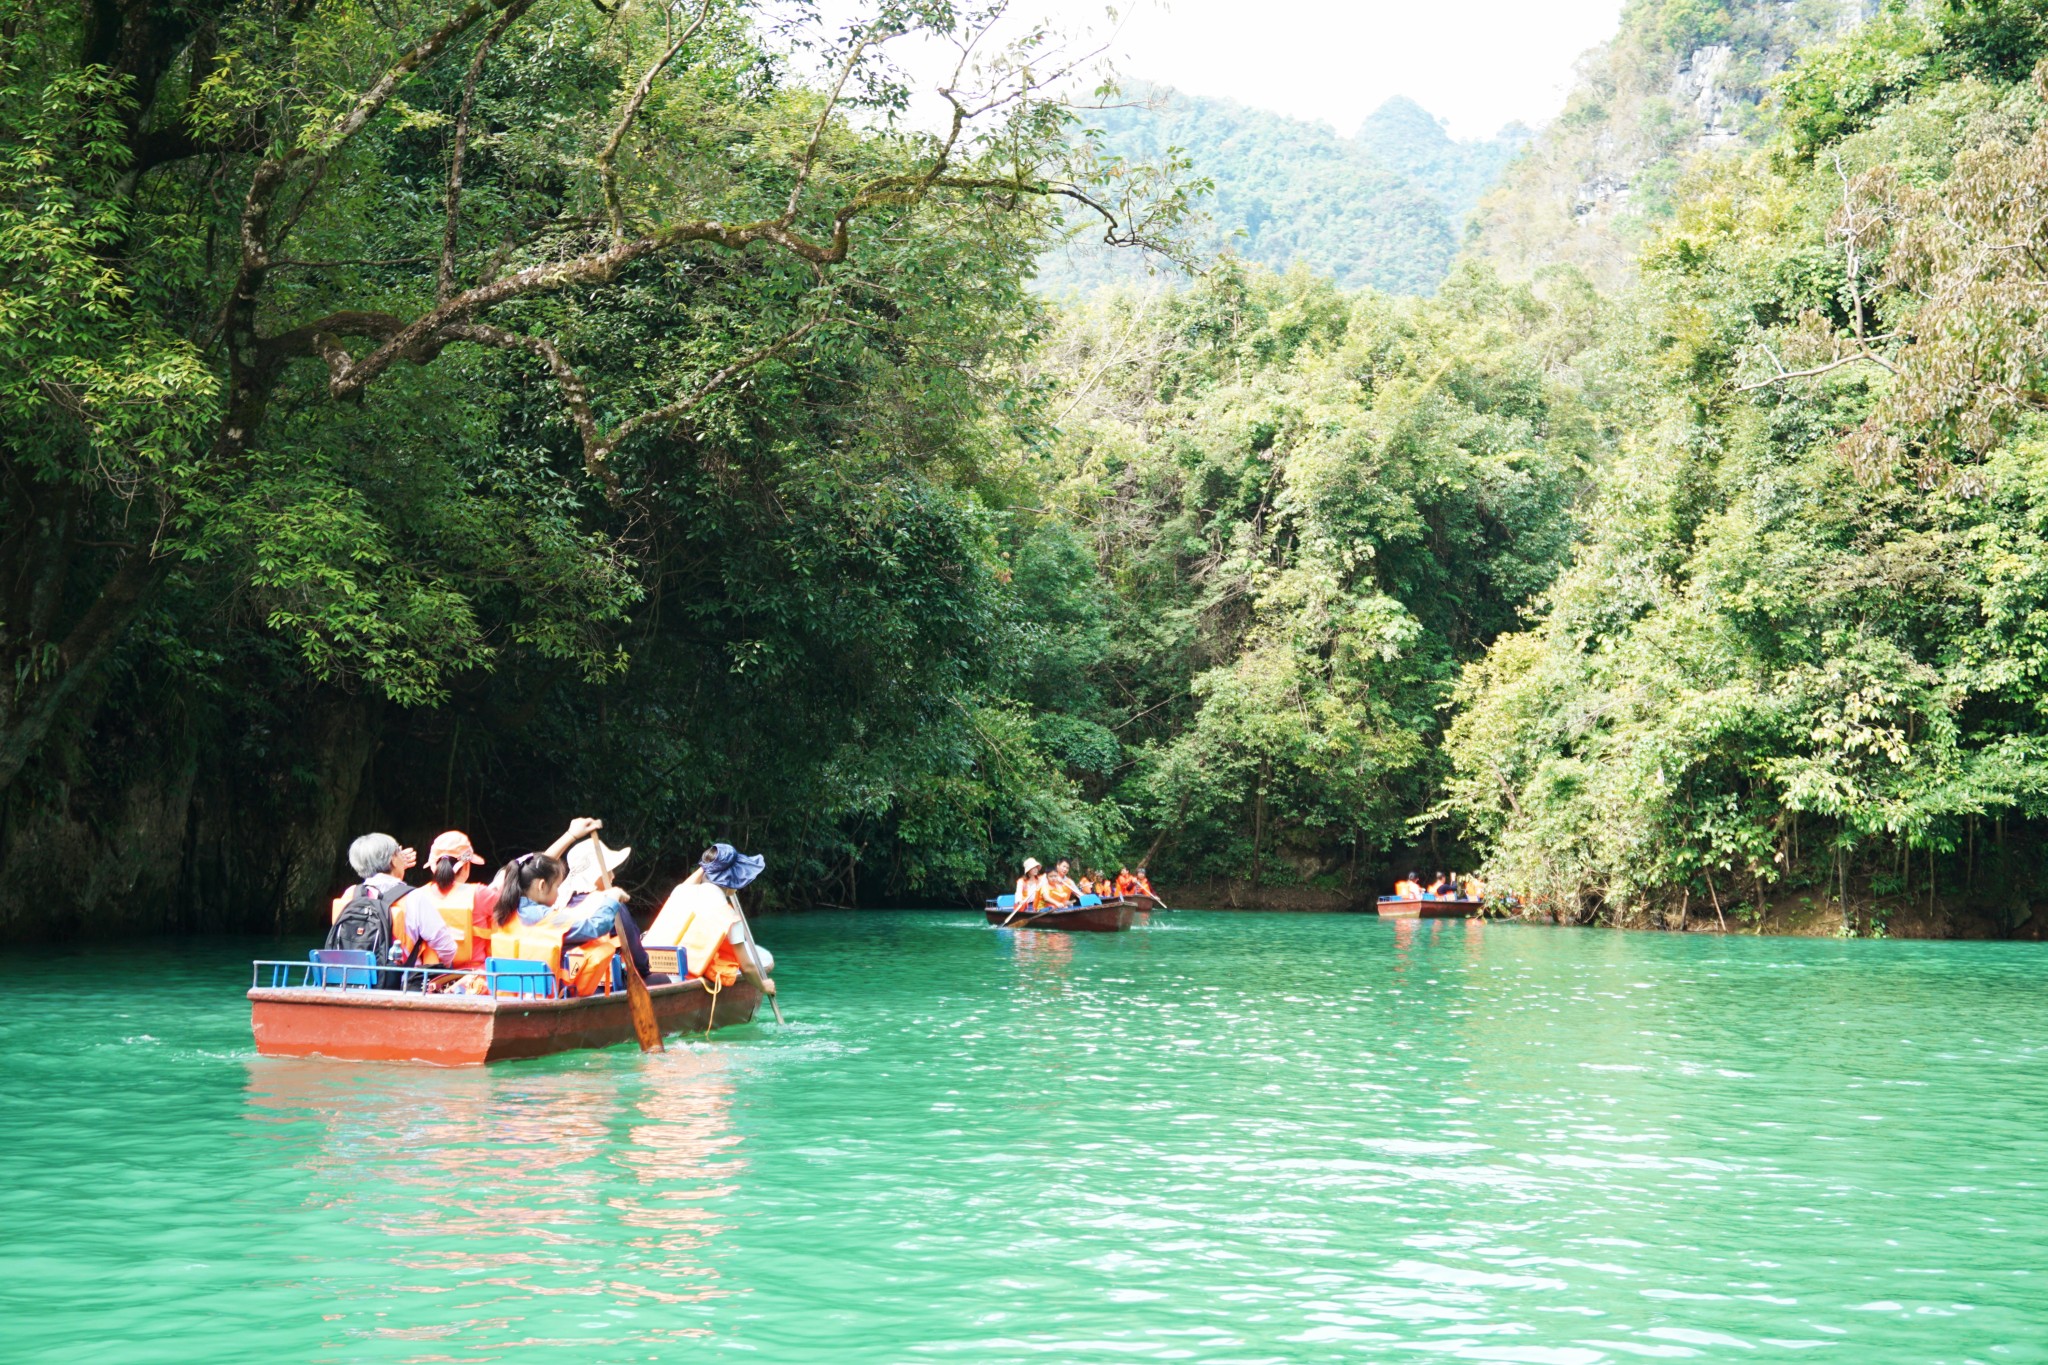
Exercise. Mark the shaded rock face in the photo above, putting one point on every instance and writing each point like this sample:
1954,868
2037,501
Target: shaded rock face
1701,86
1585,190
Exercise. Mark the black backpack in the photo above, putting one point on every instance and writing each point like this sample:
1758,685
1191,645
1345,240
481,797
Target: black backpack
364,924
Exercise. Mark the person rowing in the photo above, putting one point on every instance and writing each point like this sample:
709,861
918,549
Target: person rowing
1056,890
702,921
1025,896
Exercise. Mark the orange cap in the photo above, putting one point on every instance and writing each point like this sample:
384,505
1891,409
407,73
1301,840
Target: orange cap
454,844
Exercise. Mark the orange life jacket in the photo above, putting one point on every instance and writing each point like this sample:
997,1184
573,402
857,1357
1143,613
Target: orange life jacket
704,949
456,907
1125,883
1054,893
537,942
1143,885
593,966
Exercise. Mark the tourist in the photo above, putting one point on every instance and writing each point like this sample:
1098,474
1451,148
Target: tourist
592,867
1144,888
381,865
1408,888
466,909
1026,892
702,921
1057,889
1126,884
378,863
532,922
451,898
1086,886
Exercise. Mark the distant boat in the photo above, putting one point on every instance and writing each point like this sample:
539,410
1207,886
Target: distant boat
355,1013
1104,917
1398,907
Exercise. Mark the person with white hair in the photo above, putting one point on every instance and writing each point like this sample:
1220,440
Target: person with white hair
381,865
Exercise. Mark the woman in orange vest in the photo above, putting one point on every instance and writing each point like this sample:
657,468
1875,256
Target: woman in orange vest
527,923
454,899
1027,885
1125,882
1145,884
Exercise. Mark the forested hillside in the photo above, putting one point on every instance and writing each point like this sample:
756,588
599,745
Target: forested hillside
1384,209
423,416
1795,665
1681,80
1277,519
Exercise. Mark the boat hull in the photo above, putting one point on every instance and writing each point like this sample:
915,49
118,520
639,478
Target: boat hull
1420,909
469,1030
1107,918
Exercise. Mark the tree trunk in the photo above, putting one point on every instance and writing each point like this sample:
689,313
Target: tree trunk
84,650
1259,824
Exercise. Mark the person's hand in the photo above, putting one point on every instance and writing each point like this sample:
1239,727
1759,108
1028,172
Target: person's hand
582,826
768,984
404,861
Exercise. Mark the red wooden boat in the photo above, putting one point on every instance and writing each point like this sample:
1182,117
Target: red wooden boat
1396,908
1107,918
361,1024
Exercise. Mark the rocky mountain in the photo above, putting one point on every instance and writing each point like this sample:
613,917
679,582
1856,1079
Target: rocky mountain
1680,79
1384,208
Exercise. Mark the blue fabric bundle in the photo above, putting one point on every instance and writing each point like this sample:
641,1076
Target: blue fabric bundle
731,869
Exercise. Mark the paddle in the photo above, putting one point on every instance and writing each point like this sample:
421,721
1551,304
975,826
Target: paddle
732,899
646,1027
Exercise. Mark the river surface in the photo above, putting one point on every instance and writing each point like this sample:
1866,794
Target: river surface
1222,1138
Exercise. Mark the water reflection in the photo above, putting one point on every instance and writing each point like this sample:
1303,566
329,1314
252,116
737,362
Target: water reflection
513,1205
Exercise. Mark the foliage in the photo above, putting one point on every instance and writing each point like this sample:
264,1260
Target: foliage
1800,640
1383,209
365,361
1307,508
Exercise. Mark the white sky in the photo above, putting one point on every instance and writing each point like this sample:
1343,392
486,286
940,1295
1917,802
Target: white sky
1479,63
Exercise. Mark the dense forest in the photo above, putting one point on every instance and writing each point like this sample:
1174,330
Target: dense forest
427,414
1384,209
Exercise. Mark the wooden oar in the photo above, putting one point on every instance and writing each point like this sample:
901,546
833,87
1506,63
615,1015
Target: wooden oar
646,1027
753,944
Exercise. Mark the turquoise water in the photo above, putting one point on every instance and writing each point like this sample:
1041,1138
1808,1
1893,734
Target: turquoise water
1225,1138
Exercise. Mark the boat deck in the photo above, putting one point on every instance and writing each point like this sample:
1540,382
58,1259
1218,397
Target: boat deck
1427,908
359,1023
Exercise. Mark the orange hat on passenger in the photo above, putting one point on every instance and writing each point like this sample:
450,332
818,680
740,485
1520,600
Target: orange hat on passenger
454,844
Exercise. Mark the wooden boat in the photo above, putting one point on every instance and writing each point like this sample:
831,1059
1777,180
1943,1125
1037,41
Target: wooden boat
1391,907
1107,918
361,1024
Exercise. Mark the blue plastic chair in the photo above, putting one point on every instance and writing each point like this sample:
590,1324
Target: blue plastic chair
520,976
1091,899
1005,902
329,958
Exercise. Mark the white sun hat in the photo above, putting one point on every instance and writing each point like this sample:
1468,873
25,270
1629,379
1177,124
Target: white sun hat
583,869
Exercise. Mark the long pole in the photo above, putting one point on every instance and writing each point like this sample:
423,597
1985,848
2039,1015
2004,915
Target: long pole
646,1027
732,899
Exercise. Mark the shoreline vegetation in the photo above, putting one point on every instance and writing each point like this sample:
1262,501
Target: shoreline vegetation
420,417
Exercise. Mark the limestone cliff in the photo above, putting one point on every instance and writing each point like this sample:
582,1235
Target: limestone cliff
1680,80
